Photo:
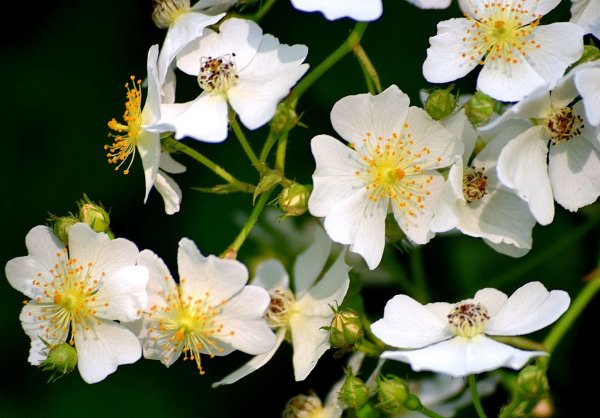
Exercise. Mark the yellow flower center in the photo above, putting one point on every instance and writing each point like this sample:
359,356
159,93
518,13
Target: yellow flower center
563,124
499,32
128,133
392,169
165,12
218,74
474,183
468,319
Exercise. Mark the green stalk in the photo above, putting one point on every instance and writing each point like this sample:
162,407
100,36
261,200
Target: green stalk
239,133
280,153
417,268
179,146
264,9
371,76
475,396
428,412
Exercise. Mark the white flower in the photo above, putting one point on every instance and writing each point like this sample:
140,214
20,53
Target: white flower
300,316
390,164
517,54
361,10
453,338
185,23
557,158
238,66
212,311
586,13
476,203
78,294
140,134
587,82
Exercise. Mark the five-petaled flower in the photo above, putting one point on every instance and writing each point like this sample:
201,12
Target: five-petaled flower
453,338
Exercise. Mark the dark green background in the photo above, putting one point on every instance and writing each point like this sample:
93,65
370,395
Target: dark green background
62,73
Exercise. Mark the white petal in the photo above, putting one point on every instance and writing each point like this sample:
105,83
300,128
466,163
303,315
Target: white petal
254,364
199,275
104,347
169,165
446,214
151,110
170,192
445,61
528,309
361,10
492,299
522,167
149,148
35,320
364,116
310,341
122,296
588,84
271,274
459,125
431,4
309,264
408,324
460,357
160,282
586,13
574,170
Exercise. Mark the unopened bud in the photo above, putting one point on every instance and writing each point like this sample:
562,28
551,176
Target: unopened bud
303,406
61,361
61,225
345,329
293,199
285,118
94,215
412,403
441,103
354,391
532,383
480,108
164,12
392,393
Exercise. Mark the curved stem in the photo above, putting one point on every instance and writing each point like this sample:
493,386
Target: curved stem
371,76
348,45
264,9
475,396
428,412
239,133
418,271
179,146
232,251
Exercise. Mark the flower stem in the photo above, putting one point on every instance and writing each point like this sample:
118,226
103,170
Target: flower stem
264,9
178,146
232,251
280,153
428,412
348,45
239,133
421,292
475,396
581,301
371,76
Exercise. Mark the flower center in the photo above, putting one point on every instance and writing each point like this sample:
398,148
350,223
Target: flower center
468,319
165,12
499,32
218,74
563,124
392,168
303,406
280,307
128,133
474,183
188,324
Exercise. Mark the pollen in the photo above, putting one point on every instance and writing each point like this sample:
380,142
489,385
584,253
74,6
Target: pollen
468,319
218,74
474,183
563,124
127,133
280,307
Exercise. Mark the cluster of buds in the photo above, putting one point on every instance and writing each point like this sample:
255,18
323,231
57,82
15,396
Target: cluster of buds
88,212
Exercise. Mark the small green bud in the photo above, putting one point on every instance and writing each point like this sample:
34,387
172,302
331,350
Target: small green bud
303,406
480,108
94,215
293,199
441,103
61,225
392,393
590,53
61,361
532,383
412,402
285,118
345,329
354,391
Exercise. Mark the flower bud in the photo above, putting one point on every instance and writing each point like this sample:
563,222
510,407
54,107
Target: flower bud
285,118
590,53
293,199
61,225
532,383
303,406
480,108
412,403
392,393
440,103
354,391
94,215
61,361
345,329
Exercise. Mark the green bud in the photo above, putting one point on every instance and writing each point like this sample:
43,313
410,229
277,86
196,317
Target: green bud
303,406
590,53
61,225
293,199
61,361
354,391
94,215
392,393
441,103
480,108
268,180
532,383
285,118
412,402
345,329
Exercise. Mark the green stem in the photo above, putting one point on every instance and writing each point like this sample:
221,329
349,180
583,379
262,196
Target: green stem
371,76
232,251
428,412
179,146
507,412
239,133
348,45
369,348
366,325
420,279
280,154
547,253
475,396
264,9
581,301
271,139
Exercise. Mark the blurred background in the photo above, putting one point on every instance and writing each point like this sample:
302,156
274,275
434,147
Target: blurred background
63,70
